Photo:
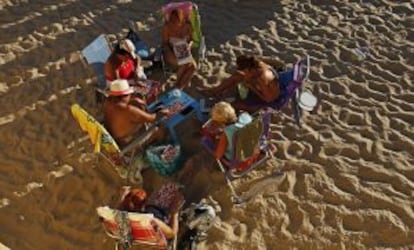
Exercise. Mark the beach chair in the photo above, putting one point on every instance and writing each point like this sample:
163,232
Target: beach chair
292,88
95,54
105,145
192,14
98,51
251,148
132,229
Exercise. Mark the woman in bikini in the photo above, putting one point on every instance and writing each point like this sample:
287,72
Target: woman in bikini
176,30
123,63
164,204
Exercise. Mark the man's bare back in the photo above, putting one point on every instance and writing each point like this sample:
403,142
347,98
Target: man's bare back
125,120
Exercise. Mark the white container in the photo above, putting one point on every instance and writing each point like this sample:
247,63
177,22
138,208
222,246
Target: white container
307,101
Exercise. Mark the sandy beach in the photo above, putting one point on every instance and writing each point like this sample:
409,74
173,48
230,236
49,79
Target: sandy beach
348,179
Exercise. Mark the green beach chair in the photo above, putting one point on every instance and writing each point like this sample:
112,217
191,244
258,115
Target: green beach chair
192,14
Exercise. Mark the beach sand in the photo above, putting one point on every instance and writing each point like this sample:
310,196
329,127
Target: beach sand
348,178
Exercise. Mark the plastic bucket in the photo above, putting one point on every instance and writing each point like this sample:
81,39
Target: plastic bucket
307,101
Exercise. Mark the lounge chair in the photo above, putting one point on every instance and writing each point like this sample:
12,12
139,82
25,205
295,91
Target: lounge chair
131,229
292,88
251,148
105,145
95,54
192,14
98,51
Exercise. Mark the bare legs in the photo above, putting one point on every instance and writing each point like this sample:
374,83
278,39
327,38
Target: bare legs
184,72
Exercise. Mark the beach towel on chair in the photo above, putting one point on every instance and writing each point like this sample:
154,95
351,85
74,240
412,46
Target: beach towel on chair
191,13
131,228
98,135
247,140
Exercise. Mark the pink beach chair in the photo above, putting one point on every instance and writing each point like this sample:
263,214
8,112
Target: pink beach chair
192,14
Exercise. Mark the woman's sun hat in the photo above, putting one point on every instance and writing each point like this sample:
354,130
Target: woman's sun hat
307,101
129,46
223,112
120,87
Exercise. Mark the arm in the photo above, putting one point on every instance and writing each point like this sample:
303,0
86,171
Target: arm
140,116
169,232
165,36
137,60
229,82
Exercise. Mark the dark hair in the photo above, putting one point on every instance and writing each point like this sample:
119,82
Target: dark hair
177,13
246,62
116,99
134,201
121,51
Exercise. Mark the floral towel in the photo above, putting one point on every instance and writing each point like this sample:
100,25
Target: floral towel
167,198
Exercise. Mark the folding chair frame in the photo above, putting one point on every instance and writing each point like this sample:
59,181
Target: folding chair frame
127,154
87,62
134,242
201,49
265,154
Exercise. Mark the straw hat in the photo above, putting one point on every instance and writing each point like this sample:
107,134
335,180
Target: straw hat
120,87
223,112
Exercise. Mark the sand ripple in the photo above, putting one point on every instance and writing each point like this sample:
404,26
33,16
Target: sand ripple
349,175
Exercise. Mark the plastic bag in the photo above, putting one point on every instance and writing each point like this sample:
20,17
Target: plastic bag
165,159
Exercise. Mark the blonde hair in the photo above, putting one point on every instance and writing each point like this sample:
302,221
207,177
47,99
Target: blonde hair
223,112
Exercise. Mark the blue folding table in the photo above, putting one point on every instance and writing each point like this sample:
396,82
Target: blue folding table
188,105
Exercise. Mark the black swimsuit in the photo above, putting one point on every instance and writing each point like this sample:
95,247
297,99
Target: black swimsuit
157,212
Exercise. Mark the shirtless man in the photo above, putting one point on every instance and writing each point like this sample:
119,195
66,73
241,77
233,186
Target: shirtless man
178,28
124,120
259,76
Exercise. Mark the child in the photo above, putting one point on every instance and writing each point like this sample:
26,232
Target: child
224,116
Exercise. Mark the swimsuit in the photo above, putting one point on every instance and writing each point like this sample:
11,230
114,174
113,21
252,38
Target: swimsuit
127,69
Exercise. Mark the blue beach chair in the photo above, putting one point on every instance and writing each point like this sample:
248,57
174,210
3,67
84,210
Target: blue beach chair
95,54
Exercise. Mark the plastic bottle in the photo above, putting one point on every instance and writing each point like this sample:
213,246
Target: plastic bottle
360,54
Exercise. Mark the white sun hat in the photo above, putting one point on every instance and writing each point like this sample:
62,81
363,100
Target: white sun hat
129,46
120,87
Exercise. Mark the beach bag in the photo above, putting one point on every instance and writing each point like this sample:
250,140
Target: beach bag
164,159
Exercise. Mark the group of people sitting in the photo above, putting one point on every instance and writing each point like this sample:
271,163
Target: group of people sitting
126,115
124,63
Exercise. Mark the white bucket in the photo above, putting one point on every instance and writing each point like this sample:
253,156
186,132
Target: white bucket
307,101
